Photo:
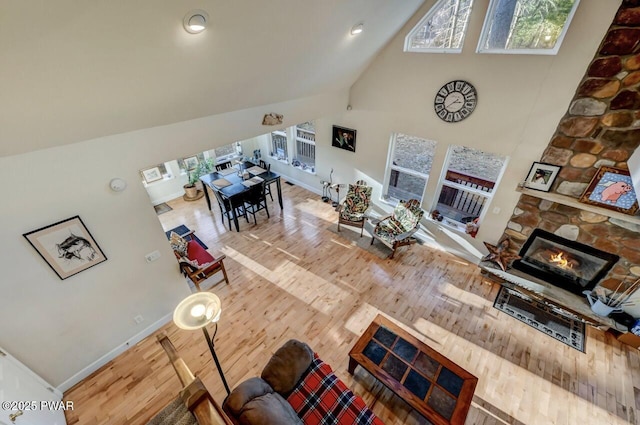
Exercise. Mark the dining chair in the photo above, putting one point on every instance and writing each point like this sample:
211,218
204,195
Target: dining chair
255,199
263,164
227,208
223,165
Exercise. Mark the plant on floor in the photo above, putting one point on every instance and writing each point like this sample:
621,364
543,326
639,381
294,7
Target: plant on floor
203,168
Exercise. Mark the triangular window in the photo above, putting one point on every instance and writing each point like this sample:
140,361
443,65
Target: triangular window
526,26
442,28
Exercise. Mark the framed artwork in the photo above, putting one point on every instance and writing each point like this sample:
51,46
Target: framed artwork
152,174
541,176
344,138
611,188
66,246
191,162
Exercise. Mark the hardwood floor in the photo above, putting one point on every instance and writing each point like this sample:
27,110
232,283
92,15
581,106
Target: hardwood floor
293,278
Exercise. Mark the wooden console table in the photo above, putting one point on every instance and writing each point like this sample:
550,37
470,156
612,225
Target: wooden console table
428,381
563,301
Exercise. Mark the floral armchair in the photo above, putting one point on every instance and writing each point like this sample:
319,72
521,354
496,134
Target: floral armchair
397,229
352,211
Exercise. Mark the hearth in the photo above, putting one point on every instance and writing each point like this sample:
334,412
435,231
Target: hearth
562,262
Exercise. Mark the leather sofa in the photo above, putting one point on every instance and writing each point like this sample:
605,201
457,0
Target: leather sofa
296,387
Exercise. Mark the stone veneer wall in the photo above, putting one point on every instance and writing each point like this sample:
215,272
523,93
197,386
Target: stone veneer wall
601,128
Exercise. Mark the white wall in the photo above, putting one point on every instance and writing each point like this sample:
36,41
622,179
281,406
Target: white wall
60,328
521,100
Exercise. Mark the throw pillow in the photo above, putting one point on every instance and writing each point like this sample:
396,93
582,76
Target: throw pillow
178,244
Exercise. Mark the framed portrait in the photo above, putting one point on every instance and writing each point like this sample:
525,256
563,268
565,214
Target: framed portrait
541,176
344,138
611,188
66,246
152,174
191,162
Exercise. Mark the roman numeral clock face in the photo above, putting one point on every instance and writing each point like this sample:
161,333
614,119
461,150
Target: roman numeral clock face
455,101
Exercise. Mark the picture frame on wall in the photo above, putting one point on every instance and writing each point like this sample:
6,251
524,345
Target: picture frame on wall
344,138
541,176
611,188
66,246
152,174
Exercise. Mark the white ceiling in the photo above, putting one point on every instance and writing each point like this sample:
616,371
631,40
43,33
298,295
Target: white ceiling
73,70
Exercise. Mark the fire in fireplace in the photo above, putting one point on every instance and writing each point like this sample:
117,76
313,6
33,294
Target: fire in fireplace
568,264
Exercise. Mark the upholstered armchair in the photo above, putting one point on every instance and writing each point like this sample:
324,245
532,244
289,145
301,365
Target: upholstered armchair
397,229
352,212
194,260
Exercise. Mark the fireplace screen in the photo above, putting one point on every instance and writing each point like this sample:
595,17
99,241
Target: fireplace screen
562,262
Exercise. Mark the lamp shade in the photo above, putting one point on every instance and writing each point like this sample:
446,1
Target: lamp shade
197,310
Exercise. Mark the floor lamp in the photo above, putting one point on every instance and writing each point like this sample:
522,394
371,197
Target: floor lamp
196,312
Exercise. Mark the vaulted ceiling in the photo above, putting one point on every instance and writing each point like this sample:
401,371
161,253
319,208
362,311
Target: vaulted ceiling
73,70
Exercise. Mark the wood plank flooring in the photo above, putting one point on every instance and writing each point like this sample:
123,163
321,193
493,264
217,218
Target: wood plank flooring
293,278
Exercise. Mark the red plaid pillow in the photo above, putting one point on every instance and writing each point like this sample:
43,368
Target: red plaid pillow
322,398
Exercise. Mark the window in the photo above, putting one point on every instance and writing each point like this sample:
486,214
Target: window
279,145
305,157
225,152
467,184
526,26
442,29
408,167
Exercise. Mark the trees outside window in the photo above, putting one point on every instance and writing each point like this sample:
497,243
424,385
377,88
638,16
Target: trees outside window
442,29
526,26
408,167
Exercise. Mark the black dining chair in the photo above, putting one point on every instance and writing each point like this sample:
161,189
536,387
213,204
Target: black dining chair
255,200
223,165
263,164
227,208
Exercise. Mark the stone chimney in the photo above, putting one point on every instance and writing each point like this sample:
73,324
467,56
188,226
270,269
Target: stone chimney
600,128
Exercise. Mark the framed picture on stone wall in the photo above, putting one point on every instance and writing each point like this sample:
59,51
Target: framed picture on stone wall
541,176
611,188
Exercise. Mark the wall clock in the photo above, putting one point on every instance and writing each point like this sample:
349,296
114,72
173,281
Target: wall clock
455,101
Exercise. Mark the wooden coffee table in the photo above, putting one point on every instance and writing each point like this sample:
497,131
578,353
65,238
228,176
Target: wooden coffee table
431,383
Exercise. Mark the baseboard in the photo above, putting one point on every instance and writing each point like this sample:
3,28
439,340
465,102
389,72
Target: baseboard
166,198
82,374
303,185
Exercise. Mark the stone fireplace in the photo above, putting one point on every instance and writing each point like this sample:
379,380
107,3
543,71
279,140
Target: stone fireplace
600,128
564,263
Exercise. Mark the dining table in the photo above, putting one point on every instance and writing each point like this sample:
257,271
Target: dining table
232,183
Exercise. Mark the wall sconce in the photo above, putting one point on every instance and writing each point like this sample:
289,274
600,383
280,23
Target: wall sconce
195,21
357,28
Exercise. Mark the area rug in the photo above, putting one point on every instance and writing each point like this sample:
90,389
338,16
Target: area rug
175,413
542,317
162,208
181,230
353,238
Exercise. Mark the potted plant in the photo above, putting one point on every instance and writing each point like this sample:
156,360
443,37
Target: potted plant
203,167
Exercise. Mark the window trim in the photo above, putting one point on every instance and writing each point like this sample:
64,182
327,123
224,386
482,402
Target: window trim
487,24
384,195
442,181
422,23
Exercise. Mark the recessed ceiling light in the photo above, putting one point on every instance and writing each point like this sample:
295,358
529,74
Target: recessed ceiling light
357,29
195,21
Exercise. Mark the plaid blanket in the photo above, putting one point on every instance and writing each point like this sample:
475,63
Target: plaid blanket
323,399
